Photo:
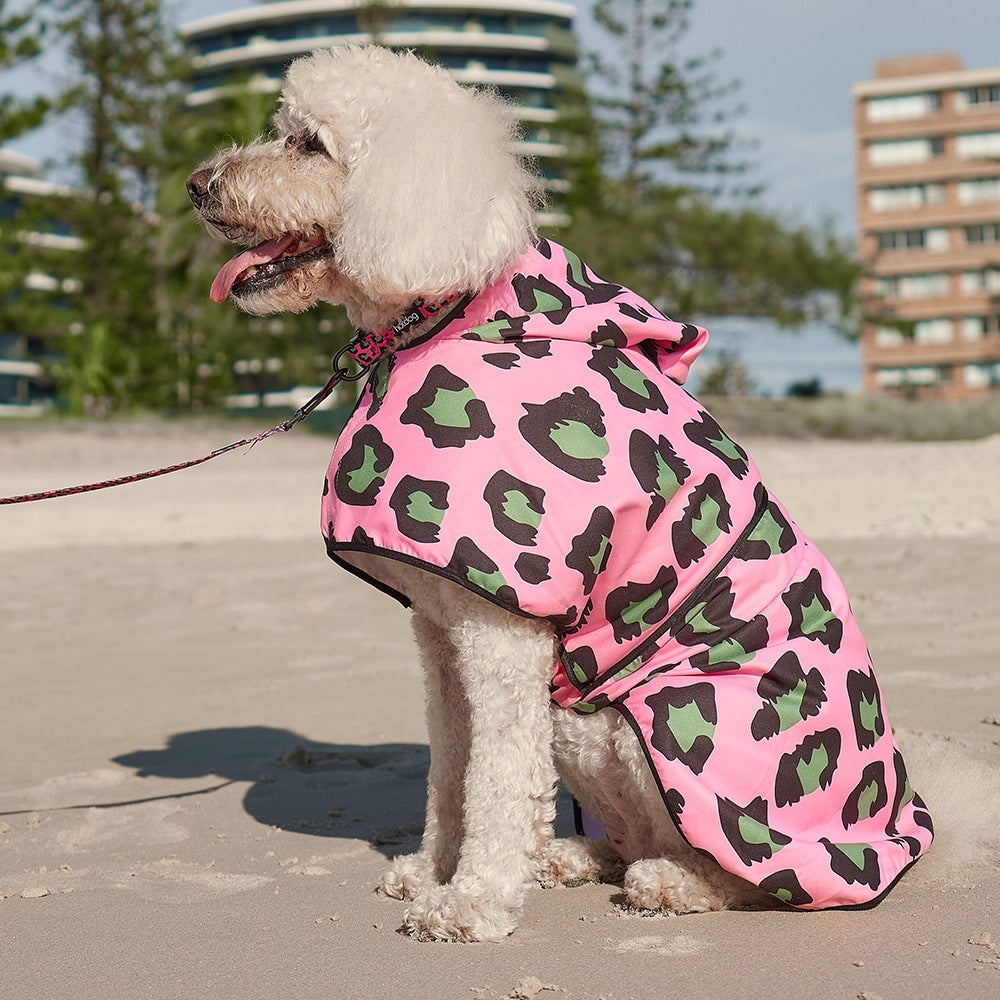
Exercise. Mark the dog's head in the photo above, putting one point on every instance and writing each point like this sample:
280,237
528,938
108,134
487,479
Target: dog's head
386,181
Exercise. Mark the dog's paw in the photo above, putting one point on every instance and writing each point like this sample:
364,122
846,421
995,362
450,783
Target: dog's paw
407,876
445,913
570,860
663,884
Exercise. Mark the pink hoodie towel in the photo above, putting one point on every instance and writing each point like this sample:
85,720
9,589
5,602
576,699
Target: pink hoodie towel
537,448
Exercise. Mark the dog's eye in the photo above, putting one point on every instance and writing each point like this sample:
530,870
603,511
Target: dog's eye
305,143
312,144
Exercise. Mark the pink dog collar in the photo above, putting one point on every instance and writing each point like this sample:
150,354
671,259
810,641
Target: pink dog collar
367,348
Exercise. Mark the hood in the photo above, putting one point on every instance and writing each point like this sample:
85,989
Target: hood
552,295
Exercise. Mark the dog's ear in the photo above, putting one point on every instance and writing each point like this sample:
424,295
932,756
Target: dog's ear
435,201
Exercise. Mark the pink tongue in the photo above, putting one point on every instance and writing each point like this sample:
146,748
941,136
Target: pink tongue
260,254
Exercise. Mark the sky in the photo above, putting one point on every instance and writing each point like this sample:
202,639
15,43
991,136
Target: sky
796,61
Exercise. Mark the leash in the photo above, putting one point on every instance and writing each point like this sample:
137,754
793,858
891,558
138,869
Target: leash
363,348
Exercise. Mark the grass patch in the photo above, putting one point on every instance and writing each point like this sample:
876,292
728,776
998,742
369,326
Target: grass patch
857,418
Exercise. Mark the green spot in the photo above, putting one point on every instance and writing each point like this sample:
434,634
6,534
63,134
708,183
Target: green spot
381,381
490,582
420,507
754,832
597,559
700,625
516,506
576,269
867,799
855,853
546,302
728,651
584,708
448,408
705,526
631,378
809,771
769,531
630,668
635,612
361,478
906,798
815,617
868,713
492,331
724,445
577,440
667,483
789,706
687,724
785,895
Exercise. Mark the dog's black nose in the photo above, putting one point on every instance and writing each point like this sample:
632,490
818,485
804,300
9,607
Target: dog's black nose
197,185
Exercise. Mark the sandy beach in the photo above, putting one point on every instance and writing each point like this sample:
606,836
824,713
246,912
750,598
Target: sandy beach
202,772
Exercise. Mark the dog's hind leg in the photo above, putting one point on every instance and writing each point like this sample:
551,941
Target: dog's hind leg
603,765
505,666
448,730
571,860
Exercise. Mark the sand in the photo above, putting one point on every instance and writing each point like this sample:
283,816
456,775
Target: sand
201,772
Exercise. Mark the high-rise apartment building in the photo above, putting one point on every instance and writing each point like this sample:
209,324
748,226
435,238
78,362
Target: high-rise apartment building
524,49
927,162
38,285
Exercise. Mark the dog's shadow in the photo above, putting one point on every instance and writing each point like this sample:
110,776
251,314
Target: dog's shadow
375,793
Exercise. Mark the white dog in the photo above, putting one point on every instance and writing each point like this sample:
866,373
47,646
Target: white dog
601,586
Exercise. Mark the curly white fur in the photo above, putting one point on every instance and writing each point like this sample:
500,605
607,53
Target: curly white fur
402,184
407,175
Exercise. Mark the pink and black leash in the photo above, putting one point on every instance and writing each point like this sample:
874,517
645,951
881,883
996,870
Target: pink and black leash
363,348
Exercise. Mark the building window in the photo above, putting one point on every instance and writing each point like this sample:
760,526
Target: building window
901,152
988,233
905,196
978,327
933,331
914,286
976,97
929,375
912,239
925,375
981,376
902,108
977,282
889,336
981,189
924,331
978,146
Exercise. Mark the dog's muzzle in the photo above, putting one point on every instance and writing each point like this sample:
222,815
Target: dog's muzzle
197,186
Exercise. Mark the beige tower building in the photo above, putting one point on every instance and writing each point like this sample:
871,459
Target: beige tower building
927,168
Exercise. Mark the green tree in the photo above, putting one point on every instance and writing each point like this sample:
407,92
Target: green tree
655,107
21,41
127,70
726,375
658,194
145,332
207,337
36,280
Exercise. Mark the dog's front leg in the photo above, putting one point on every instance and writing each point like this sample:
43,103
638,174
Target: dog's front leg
448,733
505,664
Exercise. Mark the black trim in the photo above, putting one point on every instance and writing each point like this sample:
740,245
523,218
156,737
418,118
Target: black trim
650,643
332,548
867,905
456,312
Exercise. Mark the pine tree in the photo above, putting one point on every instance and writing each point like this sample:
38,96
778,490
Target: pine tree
659,197
127,69
21,41
36,277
